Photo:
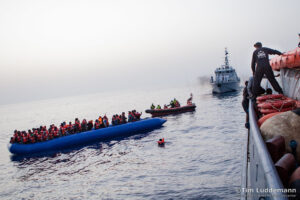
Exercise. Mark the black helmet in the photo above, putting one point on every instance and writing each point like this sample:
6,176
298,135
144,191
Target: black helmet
258,44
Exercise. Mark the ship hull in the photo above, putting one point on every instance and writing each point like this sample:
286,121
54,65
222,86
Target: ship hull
258,168
259,176
219,88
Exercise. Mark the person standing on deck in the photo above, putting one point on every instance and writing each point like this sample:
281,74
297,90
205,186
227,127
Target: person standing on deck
299,40
260,66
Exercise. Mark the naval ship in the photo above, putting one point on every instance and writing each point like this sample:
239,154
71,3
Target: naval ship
260,175
226,79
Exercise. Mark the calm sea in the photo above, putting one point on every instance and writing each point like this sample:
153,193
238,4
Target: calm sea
202,158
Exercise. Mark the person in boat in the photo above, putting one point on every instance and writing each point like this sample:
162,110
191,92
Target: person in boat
261,66
158,107
77,126
189,101
84,125
124,118
70,128
172,104
100,119
97,125
113,120
299,40
105,121
62,130
176,103
90,125
152,107
245,103
165,106
130,117
136,115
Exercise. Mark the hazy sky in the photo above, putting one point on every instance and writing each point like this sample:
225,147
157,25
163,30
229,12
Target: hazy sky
52,48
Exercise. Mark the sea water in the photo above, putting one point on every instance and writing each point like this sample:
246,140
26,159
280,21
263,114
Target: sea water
202,157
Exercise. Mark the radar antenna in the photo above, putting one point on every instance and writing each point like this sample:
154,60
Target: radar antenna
226,58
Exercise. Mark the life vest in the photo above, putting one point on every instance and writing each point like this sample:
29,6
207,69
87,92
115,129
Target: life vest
78,125
55,133
100,120
45,137
32,139
161,141
97,126
24,140
39,137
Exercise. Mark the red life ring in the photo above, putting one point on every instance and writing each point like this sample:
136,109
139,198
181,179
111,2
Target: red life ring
273,104
265,117
268,97
269,111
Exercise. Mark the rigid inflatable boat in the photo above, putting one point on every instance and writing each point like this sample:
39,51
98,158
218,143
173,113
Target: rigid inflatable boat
87,137
169,111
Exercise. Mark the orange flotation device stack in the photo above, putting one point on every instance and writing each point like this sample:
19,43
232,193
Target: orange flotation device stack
291,59
275,103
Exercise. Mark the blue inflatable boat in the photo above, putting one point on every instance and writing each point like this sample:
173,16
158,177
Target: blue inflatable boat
87,137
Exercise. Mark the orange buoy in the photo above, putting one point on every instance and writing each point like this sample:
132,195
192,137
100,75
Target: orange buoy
265,117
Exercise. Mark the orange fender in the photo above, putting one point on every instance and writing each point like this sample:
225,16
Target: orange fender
265,117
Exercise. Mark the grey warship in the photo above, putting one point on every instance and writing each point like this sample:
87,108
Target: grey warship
226,79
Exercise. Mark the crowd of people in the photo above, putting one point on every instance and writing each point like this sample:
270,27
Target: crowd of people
43,133
173,104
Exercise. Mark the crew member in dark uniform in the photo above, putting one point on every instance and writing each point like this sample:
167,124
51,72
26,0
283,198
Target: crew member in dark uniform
260,59
299,40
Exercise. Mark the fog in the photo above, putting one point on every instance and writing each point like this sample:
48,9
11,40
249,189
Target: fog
59,48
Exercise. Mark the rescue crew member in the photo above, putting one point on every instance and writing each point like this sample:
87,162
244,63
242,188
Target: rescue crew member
158,107
299,40
189,101
245,103
152,107
260,59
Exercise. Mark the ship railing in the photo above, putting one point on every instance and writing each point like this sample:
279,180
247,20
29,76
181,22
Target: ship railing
260,169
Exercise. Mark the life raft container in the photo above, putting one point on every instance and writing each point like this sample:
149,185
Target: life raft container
265,117
277,104
291,59
269,97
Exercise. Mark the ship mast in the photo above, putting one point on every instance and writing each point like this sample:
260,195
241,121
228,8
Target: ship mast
226,59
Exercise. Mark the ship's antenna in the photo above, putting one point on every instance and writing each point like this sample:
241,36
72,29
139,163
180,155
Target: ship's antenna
226,58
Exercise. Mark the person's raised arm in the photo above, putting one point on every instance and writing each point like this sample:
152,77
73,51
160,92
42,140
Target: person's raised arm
273,51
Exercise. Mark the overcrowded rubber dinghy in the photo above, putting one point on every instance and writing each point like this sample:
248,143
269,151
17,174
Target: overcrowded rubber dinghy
87,137
169,111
